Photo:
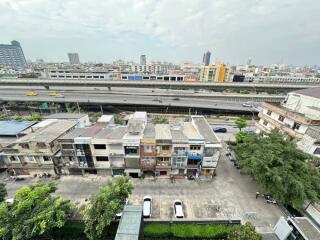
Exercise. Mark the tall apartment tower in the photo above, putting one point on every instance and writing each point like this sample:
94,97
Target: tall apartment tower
143,60
206,58
11,55
73,58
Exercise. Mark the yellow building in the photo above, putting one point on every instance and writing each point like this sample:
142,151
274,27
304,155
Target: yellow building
217,72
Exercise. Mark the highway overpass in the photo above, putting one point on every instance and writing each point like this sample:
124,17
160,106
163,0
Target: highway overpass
107,99
255,87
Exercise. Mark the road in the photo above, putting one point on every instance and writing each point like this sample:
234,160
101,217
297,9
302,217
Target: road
123,99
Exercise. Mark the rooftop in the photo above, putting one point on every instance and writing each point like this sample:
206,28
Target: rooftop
130,223
177,134
49,133
314,132
73,134
204,129
308,229
190,132
92,131
163,132
13,128
65,116
135,126
149,131
311,92
116,133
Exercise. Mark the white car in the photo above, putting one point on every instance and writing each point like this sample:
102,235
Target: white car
248,104
147,206
178,209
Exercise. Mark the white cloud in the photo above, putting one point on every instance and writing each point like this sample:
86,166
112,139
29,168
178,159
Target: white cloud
268,31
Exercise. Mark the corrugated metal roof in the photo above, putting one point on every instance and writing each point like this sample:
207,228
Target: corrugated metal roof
130,224
13,128
65,116
163,132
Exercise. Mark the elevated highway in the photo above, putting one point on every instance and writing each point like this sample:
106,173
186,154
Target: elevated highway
255,87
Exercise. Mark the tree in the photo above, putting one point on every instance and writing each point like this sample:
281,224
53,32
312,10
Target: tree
244,232
118,119
34,212
160,119
279,167
104,206
241,123
3,192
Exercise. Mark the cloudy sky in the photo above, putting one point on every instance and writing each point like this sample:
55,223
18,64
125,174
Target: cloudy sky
268,31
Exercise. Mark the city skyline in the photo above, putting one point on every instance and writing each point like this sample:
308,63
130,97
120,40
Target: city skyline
174,31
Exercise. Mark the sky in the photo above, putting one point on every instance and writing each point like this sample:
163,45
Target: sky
267,31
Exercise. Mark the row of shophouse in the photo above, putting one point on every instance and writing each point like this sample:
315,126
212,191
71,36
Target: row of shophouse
61,146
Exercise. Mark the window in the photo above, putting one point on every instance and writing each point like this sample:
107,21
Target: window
195,147
265,123
165,148
102,159
13,158
41,145
317,151
269,112
296,126
46,158
163,159
148,148
281,118
24,145
99,146
131,150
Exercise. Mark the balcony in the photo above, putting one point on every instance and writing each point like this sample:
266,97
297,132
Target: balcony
180,153
195,157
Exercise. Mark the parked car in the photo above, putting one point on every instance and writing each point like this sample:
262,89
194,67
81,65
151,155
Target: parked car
178,209
247,104
31,93
219,130
147,206
176,99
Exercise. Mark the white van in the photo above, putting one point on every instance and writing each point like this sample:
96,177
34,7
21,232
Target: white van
147,202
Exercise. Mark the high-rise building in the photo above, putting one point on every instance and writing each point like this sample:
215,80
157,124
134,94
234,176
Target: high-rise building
217,72
143,60
206,58
73,58
11,55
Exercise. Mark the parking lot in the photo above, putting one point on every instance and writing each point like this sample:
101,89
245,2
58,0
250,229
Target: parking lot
229,195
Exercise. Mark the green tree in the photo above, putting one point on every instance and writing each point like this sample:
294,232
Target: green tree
280,168
241,123
160,119
3,192
244,232
33,213
118,119
104,206
33,117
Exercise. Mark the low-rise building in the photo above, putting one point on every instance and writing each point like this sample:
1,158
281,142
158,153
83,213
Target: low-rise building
180,148
35,152
163,149
299,111
148,150
195,148
212,146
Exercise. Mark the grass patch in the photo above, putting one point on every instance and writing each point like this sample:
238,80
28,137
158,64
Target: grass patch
186,231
